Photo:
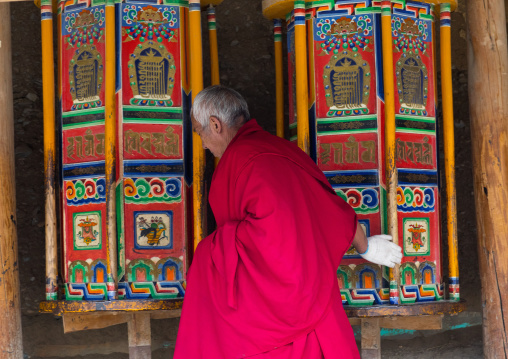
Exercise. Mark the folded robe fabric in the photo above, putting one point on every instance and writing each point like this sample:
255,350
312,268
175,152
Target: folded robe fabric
266,278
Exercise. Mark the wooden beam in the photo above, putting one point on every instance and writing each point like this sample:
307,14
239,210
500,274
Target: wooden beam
105,348
488,104
74,322
423,322
371,339
429,308
140,339
61,307
11,346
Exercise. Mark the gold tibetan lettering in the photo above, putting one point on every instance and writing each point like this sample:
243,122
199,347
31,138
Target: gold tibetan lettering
99,148
145,142
418,152
131,141
410,151
427,152
369,155
79,146
400,151
325,154
352,150
337,153
158,142
171,147
70,148
89,143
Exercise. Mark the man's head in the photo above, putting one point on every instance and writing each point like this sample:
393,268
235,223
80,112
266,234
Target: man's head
217,114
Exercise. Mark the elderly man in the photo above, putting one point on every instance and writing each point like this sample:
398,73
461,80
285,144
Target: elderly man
264,285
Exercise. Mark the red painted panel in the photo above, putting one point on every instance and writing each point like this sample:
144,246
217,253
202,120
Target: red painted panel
351,151
152,141
84,144
414,150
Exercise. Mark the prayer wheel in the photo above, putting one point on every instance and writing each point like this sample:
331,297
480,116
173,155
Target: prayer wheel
125,147
363,104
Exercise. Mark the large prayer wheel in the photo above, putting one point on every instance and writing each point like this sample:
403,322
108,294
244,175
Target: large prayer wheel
126,156
362,103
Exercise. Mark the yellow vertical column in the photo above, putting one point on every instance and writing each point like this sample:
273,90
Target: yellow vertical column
214,52
214,49
198,153
302,93
110,141
48,103
449,147
279,79
391,170
310,57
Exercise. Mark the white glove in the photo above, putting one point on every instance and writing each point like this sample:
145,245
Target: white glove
381,250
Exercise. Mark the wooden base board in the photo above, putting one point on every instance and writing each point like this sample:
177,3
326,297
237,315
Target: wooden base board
74,322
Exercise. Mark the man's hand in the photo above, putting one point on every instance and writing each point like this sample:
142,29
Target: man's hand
382,251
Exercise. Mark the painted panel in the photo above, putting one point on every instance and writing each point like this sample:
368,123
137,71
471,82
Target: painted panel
349,112
82,151
153,151
154,206
344,65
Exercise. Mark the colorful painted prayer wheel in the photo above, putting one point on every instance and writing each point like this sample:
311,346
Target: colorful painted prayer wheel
126,148
362,103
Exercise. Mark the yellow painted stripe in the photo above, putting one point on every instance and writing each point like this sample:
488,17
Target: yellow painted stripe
184,48
302,100
214,64
110,144
449,147
198,154
214,57
391,170
279,89
48,98
310,42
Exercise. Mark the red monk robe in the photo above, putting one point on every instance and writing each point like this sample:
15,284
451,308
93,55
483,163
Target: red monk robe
264,284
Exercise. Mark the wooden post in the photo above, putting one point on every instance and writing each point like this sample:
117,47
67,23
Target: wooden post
198,153
391,170
11,346
302,91
488,99
371,339
140,339
279,77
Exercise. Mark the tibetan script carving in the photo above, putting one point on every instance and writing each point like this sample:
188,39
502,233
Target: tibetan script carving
350,151
154,143
415,152
89,145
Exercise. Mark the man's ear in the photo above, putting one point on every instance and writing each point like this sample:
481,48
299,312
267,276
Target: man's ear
215,125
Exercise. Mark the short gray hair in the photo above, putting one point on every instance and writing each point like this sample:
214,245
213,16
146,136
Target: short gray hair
222,102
